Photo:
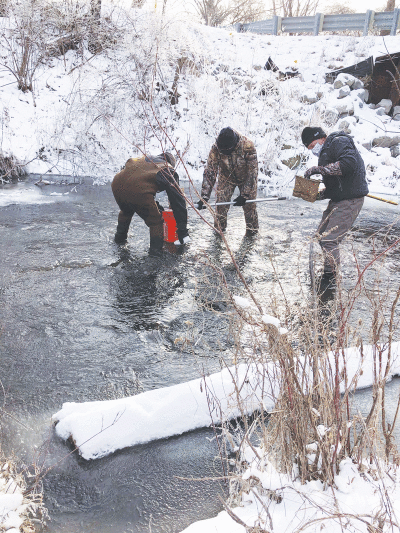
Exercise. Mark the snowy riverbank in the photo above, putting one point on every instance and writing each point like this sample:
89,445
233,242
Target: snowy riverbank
223,82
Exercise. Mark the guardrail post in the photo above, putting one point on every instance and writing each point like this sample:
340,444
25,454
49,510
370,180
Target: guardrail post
395,21
276,24
369,21
318,22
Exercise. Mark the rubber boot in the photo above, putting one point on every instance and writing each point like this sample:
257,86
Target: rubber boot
251,232
156,244
121,234
120,238
326,286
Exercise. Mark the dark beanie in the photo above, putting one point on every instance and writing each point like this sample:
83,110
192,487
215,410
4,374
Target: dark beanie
309,135
168,157
227,140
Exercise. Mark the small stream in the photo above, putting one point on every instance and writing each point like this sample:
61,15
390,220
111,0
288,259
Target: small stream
84,319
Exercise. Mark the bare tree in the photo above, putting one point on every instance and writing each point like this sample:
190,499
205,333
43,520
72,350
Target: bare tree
210,11
390,5
292,8
339,8
95,9
3,8
246,11
218,12
298,8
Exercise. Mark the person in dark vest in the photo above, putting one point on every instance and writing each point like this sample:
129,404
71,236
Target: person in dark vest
134,189
343,174
233,159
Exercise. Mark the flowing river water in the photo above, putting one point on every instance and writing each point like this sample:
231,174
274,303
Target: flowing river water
84,319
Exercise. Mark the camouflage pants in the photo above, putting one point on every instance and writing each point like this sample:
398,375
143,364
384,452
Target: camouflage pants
225,190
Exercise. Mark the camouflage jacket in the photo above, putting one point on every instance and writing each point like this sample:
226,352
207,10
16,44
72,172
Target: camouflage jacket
239,167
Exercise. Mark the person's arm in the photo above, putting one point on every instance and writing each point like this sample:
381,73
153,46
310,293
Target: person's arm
250,156
167,180
210,174
333,169
344,153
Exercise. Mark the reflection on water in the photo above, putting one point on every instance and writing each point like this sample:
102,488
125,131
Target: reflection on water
84,319
143,286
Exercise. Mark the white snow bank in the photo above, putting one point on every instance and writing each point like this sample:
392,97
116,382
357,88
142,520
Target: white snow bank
279,504
100,428
12,505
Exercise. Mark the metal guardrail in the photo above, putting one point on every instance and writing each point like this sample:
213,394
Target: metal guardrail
365,22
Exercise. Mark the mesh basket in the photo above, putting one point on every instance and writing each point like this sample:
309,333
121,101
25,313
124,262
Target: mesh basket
306,189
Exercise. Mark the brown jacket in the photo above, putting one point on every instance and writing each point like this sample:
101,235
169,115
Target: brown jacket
136,178
239,167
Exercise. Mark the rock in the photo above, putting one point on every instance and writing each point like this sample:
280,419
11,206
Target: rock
344,106
396,112
330,116
362,94
257,67
395,150
358,84
346,124
344,91
309,97
381,111
386,104
385,141
344,79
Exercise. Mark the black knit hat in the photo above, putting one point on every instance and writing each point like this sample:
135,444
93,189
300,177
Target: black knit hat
309,135
227,140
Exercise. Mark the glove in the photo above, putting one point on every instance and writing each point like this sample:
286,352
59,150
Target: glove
239,201
160,207
183,238
200,205
314,170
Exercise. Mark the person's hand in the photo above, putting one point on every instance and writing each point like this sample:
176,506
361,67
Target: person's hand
160,207
183,237
314,170
181,242
239,201
321,195
200,205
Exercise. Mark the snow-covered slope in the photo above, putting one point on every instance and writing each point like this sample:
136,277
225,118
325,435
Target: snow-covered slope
88,114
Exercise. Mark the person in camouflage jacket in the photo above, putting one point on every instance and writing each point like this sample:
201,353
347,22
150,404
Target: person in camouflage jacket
233,159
